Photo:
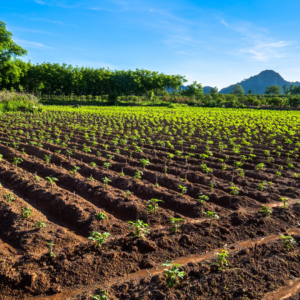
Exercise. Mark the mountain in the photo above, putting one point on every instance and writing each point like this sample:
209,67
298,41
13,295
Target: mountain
260,82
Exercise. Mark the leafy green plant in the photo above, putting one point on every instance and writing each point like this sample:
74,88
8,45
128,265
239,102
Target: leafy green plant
288,241
74,170
153,205
284,200
93,164
138,174
183,189
50,249
9,197
140,229
103,296
26,212
203,198
266,210
144,162
106,181
174,275
99,238
40,224
210,215
101,216
51,180
221,260
176,223
16,161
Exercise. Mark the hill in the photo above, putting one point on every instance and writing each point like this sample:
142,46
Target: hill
260,82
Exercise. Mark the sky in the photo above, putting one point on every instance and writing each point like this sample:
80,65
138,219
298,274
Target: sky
216,42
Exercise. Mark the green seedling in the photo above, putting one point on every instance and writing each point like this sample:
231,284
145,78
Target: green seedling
99,238
288,241
106,181
40,224
203,198
107,165
144,162
138,175
93,164
16,161
174,275
183,189
103,296
9,197
222,260
210,215
101,216
153,205
50,249
140,229
176,223
75,170
25,212
284,200
51,180
266,210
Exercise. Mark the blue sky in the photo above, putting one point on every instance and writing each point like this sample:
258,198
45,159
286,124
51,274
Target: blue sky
216,42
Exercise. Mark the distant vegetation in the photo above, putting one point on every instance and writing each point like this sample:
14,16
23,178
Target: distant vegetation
11,101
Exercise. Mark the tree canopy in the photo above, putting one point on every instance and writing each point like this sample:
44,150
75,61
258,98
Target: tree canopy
237,90
10,67
273,89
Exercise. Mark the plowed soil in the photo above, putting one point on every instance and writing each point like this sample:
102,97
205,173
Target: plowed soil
263,249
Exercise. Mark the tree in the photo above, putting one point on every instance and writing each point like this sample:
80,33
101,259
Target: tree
237,90
9,51
286,89
250,92
294,101
213,90
273,89
194,89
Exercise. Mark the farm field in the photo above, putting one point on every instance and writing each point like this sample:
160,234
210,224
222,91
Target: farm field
150,203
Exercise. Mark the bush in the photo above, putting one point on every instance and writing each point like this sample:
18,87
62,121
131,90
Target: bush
12,101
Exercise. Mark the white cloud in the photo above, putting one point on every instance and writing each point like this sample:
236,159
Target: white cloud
31,44
47,20
40,2
224,23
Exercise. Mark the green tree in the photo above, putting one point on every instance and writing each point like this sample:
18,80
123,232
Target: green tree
195,89
273,89
237,90
213,90
250,92
9,52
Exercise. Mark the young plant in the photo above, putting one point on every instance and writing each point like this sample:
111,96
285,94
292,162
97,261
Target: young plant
40,224
103,296
107,165
144,162
9,197
26,212
284,200
16,161
266,210
153,205
234,190
183,189
262,186
75,170
50,249
222,260
140,229
176,223
211,215
138,175
51,180
93,164
203,198
288,241
106,181
47,159
101,216
99,238
174,275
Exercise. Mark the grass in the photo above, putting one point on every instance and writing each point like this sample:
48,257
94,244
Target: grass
12,101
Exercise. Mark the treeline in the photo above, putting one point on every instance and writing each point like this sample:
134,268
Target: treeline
56,80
